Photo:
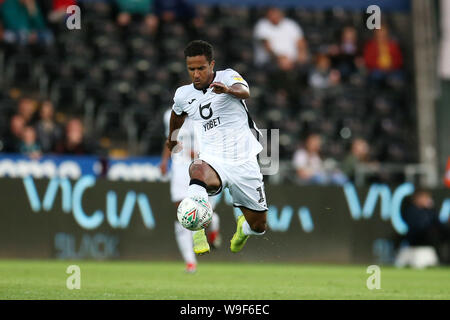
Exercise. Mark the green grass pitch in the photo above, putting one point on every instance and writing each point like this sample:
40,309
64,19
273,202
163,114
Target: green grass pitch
46,279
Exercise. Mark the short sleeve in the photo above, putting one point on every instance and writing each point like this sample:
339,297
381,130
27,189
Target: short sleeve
167,115
297,31
232,77
261,31
177,107
299,160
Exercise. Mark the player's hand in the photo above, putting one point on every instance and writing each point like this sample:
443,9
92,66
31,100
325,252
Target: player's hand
219,87
174,146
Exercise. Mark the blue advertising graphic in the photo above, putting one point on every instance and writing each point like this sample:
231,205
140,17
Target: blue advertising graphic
134,169
74,167
72,201
279,219
20,166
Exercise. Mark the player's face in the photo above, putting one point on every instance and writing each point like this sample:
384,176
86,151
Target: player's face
200,70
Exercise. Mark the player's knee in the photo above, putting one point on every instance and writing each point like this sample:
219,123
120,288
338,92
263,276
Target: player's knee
196,171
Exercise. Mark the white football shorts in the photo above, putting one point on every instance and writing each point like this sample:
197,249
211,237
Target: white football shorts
244,181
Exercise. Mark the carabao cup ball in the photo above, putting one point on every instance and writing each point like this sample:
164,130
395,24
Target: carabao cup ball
194,213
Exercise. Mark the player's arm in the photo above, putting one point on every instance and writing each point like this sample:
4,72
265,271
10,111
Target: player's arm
164,159
302,50
176,121
268,48
238,90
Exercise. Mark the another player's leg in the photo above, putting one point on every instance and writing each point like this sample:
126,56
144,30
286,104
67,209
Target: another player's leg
212,231
214,238
179,183
250,223
185,244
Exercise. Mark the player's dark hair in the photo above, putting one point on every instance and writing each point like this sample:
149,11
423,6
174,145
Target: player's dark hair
199,48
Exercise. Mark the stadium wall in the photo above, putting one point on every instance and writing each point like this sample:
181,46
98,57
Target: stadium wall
95,218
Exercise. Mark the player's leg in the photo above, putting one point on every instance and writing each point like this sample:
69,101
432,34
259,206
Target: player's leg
204,180
184,238
251,223
255,221
247,191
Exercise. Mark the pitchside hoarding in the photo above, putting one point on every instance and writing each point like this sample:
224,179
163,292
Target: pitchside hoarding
95,218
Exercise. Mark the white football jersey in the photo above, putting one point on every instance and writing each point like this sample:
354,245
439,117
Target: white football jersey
221,121
186,136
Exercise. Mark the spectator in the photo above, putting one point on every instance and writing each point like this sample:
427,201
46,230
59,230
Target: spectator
137,8
308,162
322,75
169,11
27,108
279,39
383,57
58,10
347,56
74,142
359,154
14,136
23,22
29,145
424,226
48,131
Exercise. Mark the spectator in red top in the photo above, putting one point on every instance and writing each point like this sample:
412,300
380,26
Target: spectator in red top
59,10
382,56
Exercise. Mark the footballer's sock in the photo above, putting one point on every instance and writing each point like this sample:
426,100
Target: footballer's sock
214,237
214,226
185,243
249,232
197,188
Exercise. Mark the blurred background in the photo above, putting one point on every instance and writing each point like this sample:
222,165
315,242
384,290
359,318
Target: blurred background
363,117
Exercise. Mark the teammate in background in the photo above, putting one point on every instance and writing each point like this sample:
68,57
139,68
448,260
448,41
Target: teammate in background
227,147
179,183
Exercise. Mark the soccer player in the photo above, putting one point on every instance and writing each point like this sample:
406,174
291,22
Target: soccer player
227,147
179,183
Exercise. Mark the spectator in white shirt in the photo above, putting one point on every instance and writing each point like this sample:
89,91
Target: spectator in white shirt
310,167
308,163
279,39
322,76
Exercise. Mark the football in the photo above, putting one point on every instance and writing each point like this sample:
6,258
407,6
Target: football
194,213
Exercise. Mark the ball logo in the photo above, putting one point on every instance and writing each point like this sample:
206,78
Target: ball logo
191,216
